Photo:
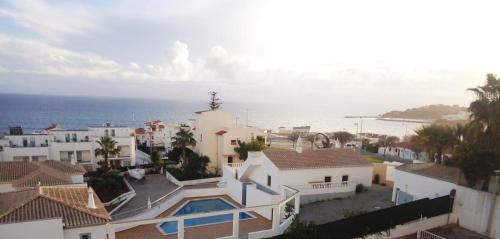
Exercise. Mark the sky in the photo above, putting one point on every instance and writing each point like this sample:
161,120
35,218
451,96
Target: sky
373,56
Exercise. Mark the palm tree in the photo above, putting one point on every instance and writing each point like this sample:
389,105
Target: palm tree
182,139
434,139
294,136
107,147
485,112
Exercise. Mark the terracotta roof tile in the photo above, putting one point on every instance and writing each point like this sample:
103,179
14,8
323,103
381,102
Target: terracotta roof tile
432,170
29,174
66,202
221,132
319,158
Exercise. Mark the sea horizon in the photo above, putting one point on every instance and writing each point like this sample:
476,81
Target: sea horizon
35,112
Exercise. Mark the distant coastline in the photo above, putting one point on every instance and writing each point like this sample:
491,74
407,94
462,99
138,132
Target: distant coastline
424,121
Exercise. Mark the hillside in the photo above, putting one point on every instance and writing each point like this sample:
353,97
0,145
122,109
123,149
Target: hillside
429,112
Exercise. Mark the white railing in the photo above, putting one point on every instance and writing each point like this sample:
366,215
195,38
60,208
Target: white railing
325,187
428,235
234,165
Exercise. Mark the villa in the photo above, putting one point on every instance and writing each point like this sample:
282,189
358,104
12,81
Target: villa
76,146
53,212
217,135
20,175
320,174
157,133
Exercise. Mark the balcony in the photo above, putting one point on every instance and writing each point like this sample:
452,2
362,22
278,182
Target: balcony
325,187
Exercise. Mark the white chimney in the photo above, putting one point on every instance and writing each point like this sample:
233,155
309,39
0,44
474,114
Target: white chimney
91,202
298,145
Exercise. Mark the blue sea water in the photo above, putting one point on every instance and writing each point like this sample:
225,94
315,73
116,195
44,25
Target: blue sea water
202,206
35,112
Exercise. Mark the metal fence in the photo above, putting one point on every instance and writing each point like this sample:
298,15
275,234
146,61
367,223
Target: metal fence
377,221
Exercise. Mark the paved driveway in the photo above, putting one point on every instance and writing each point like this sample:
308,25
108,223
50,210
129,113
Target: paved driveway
321,212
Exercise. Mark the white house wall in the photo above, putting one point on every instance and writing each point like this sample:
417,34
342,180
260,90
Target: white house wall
420,186
95,232
357,175
40,229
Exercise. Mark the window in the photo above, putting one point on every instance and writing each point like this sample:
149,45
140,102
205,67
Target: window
74,138
106,132
32,142
25,142
328,179
85,236
67,137
269,180
233,142
229,159
345,178
201,137
113,132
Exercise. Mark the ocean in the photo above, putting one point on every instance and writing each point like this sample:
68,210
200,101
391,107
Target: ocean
35,112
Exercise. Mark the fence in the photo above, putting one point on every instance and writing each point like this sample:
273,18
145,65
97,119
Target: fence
428,235
378,221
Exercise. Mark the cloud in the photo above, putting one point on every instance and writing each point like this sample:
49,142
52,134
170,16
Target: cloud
55,22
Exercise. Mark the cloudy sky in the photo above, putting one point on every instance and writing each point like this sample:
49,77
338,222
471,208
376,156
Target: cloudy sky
368,54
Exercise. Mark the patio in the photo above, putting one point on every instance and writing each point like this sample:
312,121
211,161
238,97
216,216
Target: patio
200,232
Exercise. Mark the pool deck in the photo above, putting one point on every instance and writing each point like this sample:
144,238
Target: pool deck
150,231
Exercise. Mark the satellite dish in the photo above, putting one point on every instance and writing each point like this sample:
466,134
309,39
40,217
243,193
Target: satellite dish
321,141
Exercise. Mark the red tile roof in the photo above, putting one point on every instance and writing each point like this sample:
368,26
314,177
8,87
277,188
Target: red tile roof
66,202
319,158
140,131
432,170
221,132
28,174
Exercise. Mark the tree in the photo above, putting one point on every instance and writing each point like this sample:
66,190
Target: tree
311,138
343,137
107,147
387,140
293,137
214,102
478,151
196,167
182,139
244,147
434,139
176,153
485,113
156,159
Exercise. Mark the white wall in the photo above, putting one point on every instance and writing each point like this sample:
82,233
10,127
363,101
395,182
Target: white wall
40,229
96,232
256,197
6,187
391,170
357,175
420,186
472,209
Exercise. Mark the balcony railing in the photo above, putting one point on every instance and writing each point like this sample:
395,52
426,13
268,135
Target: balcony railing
325,187
234,165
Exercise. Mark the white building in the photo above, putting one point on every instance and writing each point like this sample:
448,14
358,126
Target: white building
216,136
402,150
76,146
423,180
53,212
317,174
19,175
157,133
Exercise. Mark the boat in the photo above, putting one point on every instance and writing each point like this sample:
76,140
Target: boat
137,173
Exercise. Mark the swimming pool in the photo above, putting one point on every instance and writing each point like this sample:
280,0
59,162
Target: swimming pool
201,206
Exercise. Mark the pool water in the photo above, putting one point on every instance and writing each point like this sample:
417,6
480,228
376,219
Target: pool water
202,206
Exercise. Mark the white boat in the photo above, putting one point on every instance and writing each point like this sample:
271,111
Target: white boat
137,173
